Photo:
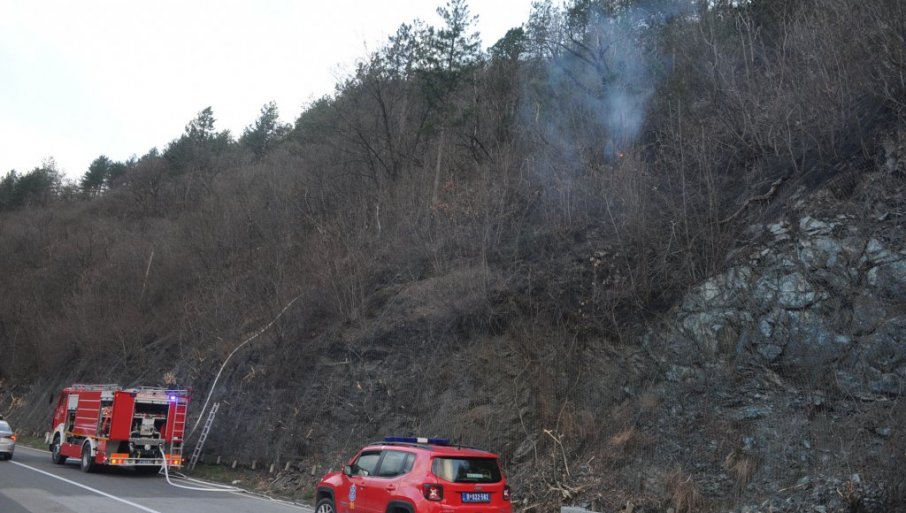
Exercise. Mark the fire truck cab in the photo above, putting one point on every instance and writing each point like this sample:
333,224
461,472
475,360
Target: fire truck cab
110,425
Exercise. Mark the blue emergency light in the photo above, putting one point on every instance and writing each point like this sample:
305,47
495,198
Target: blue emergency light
416,440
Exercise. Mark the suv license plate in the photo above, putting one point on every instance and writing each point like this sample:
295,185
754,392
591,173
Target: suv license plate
476,497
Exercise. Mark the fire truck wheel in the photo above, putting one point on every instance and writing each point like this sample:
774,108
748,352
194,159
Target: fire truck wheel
325,505
55,455
87,460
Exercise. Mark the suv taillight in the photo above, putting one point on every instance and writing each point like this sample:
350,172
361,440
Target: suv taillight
433,492
506,492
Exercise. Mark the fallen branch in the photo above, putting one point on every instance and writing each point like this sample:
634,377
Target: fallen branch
763,197
568,492
559,442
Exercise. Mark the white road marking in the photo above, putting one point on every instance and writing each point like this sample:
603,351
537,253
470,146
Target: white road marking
90,489
31,449
245,493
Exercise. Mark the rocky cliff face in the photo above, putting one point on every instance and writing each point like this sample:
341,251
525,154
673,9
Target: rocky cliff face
823,294
784,375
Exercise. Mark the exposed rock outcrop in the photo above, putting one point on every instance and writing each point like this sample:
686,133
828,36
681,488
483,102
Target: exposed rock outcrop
790,365
829,293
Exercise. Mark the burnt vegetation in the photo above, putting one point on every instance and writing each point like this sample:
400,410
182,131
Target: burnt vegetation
481,236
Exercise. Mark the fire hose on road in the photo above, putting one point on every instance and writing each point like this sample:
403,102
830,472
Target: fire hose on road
212,487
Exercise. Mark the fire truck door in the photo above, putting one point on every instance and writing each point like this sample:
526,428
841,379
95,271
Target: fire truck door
87,413
122,412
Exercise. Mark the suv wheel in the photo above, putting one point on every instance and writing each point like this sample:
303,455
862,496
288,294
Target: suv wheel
325,505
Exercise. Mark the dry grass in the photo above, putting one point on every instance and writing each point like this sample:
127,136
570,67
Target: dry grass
649,402
851,495
742,467
630,441
685,496
623,439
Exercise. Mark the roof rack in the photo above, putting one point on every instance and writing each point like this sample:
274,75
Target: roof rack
445,442
461,446
429,447
164,391
158,389
88,386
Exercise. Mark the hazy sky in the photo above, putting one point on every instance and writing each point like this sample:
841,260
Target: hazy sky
117,77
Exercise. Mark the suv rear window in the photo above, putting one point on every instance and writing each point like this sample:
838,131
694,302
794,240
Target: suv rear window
466,470
4,426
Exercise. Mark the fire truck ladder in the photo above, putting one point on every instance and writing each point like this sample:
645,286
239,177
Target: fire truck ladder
196,453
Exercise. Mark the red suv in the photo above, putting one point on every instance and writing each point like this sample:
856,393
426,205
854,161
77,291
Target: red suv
416,475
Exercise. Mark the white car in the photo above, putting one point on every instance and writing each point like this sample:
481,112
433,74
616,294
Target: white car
7,441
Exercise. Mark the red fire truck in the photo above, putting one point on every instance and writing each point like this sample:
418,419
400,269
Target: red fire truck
111,425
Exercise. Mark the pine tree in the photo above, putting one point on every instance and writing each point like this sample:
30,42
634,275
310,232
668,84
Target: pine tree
260,136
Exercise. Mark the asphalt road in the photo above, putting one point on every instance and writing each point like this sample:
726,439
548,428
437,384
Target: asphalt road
31,483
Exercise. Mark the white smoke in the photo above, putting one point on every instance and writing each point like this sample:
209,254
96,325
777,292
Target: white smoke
605,73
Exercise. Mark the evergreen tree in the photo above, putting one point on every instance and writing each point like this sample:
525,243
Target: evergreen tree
101,174
454,51
37,187
260,136
407,50
510,47
114,172
201,129
8,199
94,180
199,144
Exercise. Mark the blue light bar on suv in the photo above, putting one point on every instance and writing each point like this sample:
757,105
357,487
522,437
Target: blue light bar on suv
414,440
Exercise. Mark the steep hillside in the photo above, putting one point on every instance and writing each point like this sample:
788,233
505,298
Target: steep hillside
652,254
